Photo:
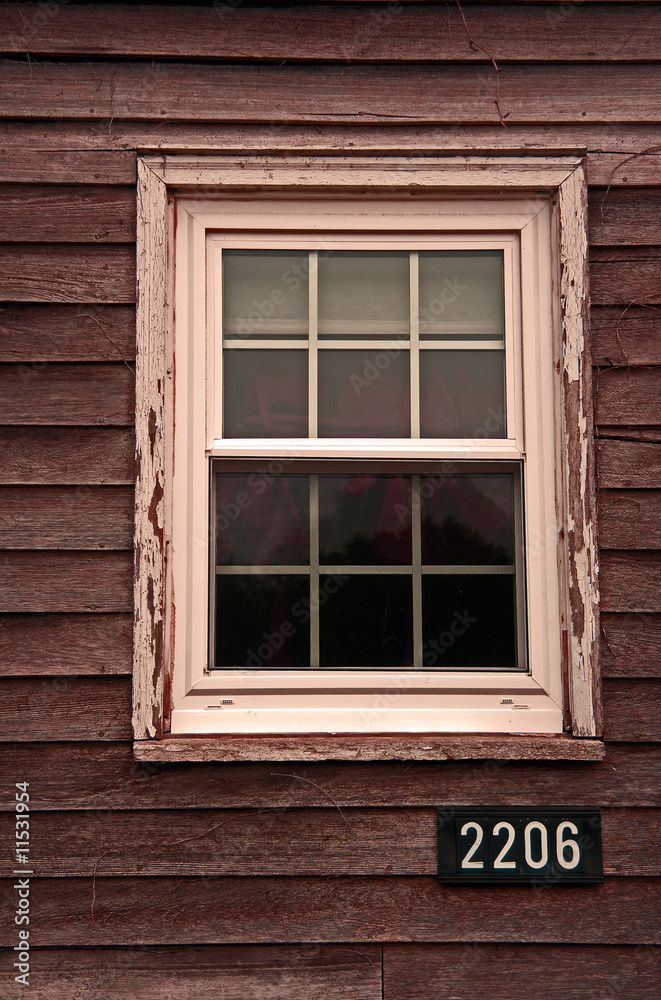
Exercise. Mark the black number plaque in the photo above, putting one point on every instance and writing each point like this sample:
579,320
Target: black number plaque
535,845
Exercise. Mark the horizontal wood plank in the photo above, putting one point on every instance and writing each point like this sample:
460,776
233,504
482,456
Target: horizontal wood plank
64,393
632,710
47,272
107,776
422,92
66,517
628,464
625,217
630,581
68,166
61,213
222,972
76,455
625,336
298,843
68,644
626,278
338,32
112,911
629,519
66,581
67,333
630,645
627,396
507,972
71,708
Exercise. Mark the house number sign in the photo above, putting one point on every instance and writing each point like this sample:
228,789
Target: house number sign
530,845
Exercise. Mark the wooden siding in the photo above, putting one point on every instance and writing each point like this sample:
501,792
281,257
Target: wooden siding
302,879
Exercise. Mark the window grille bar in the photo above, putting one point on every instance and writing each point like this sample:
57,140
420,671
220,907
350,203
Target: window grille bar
314,571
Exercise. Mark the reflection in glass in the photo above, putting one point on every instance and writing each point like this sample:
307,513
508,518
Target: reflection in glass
364,293
265,393
467,520
359,523
367,621
364,394
462,394
262,621
262,520
469,621
265,293
461,294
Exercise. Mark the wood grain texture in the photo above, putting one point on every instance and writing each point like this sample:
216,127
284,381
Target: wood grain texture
625,217
630,519
65,644
222,972
64,393
632,710
298,843
625,276
71,708
75,455
73,273
625,336
628,464
423,92
612,152
630,581
62,213
67,166
66,517
74,912
627,396
389,746
67,333
65,581
630,645
107,776
505,972
338,32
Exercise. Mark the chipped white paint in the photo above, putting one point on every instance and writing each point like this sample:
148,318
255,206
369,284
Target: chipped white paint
579,479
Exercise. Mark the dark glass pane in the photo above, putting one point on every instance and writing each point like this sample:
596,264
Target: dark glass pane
265,394
262,621
366,621
469,621
364,394
462,394
364,520
262,520
467,520
265,293
364,293
461,294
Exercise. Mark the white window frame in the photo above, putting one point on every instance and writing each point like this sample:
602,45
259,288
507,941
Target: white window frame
534,208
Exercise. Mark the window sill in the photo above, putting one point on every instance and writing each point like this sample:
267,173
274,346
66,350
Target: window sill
385,746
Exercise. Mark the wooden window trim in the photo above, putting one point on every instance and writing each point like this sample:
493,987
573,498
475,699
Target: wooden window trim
159,179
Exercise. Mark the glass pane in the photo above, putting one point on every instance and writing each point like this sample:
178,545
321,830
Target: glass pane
359,523
265,293
364,394
364,294
265,394
469,621
366,622
467,520
461,294
462,394
262,520
262,621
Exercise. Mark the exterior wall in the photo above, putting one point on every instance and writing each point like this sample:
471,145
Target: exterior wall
299,880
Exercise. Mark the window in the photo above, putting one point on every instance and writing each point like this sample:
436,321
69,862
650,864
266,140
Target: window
362,492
